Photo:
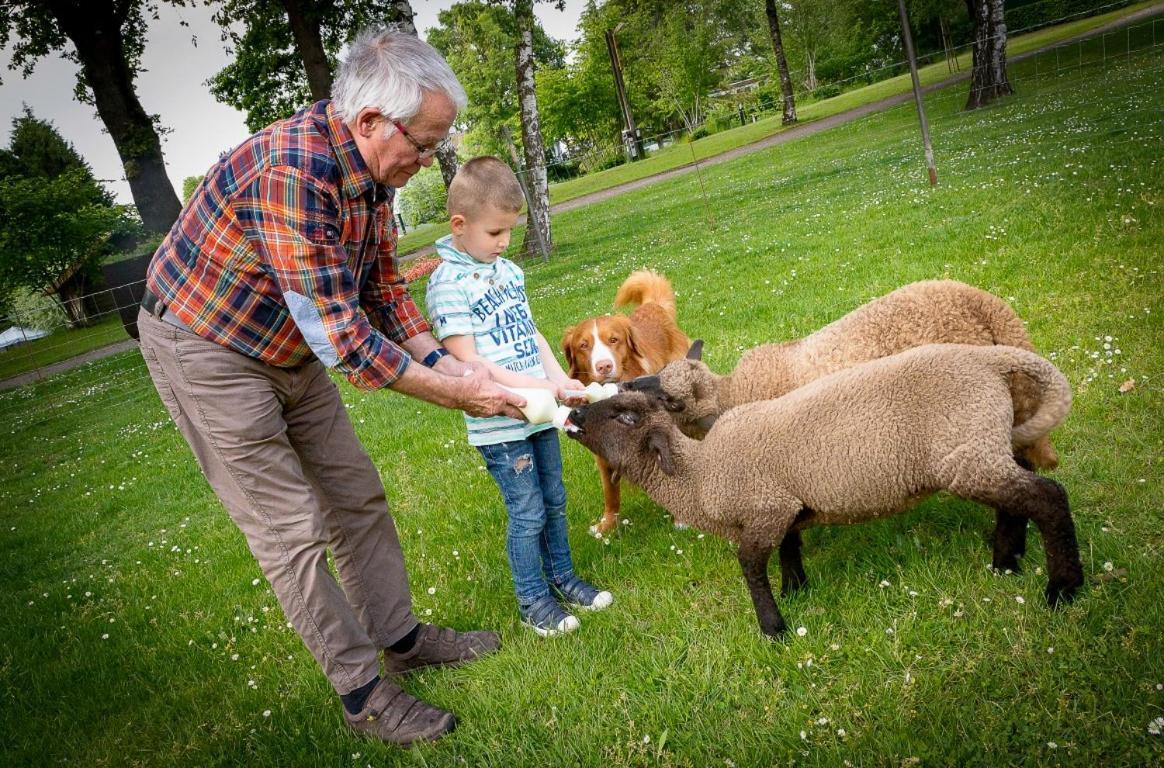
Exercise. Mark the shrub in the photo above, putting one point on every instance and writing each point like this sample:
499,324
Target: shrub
424,198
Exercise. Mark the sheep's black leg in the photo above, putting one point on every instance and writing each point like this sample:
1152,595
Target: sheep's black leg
1044,501
792,575
754,562
1010,540
1052,515
1010,532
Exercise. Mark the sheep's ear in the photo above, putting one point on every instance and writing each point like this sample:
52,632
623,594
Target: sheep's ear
660,444
707,422
696,351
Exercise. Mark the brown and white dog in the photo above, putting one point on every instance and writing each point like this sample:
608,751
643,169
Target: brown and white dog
620,347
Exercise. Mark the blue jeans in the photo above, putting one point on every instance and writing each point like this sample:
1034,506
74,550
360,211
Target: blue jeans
529,474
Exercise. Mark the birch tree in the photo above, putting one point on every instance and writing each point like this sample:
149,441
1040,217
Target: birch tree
988,80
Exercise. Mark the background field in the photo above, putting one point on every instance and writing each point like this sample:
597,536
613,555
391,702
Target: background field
138,630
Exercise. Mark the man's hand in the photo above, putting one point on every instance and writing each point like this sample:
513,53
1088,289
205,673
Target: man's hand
483,397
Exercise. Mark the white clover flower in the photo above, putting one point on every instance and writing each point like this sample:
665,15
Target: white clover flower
266,713
801,631
1019,599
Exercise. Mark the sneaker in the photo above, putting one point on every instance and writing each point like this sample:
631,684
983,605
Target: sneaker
583,594
440,646
548,618
393,716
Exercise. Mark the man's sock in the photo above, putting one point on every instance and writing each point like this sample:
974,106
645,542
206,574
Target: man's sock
404,644
355,701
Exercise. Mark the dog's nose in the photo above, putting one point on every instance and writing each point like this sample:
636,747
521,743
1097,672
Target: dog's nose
604,367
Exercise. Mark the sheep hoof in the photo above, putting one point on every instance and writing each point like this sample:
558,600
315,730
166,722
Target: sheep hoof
1008,564
1060,594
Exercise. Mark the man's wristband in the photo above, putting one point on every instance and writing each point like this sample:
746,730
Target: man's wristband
431,358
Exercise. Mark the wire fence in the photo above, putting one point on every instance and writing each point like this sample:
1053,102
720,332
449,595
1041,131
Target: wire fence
41,360
601,156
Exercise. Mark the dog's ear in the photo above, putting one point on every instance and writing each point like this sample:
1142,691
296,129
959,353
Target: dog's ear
632,341
696,351
568,351
659,443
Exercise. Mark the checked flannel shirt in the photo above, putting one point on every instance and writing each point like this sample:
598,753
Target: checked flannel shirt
285,252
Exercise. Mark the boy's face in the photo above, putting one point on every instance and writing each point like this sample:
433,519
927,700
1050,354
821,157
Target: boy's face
485,234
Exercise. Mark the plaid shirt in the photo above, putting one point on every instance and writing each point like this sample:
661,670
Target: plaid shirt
285,252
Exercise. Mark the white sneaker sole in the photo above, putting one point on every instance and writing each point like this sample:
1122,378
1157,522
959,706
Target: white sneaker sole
566,625
601,600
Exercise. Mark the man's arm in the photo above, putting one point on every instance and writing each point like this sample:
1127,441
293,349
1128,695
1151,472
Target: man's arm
475,394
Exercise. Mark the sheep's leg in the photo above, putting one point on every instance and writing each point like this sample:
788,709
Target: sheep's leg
754,562
1049,509
1020,493
792,575
1010,540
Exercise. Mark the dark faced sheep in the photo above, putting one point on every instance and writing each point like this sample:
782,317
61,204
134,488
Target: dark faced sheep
858,444
928,312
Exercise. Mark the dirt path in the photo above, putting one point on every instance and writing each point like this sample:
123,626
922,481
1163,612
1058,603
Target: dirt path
791,134
51,370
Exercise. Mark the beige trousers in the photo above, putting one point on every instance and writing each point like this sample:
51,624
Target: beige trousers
277,447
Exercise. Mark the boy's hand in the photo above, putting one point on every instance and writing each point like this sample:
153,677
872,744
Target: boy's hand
482,397
568,392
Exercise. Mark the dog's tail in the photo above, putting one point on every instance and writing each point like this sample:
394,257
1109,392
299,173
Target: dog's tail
646,286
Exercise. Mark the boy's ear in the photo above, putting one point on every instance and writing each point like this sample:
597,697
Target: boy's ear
457,223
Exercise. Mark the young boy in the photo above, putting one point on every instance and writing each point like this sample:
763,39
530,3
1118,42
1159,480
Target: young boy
478,306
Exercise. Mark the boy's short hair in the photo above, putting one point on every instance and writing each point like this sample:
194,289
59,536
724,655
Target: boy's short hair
484,181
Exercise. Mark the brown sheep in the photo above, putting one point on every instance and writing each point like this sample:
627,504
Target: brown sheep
928,312
861,443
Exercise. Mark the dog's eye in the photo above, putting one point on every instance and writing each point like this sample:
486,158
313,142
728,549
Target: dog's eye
584,346
613,339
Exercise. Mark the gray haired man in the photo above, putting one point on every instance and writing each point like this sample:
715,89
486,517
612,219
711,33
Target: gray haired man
281,265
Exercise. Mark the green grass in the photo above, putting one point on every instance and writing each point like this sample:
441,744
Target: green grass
682,154
138,631
61,344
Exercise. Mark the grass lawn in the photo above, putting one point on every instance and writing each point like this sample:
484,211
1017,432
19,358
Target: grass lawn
61,344
678,155
139,630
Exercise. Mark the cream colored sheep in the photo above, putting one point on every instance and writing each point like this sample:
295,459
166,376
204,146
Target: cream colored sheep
929,312
861,443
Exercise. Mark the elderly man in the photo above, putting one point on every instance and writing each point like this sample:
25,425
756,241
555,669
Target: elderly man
281,264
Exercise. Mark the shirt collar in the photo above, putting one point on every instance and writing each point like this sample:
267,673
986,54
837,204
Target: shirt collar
355,180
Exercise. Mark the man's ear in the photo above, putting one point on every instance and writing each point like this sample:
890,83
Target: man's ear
457,224
659,443
369,123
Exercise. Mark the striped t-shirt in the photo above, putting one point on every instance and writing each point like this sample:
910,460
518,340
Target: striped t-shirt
467,297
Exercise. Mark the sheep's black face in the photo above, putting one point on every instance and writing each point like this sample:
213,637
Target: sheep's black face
615,429
652,387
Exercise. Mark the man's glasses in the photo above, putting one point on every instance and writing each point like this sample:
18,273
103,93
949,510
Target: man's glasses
423,151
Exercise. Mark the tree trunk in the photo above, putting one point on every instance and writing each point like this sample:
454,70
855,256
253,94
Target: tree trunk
401,15
988,79
538,217
71,295
305,29
781,63
810,77
95,30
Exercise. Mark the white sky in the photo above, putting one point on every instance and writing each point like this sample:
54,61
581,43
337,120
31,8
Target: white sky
172,86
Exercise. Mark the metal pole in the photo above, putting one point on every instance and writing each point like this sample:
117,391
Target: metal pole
629,131
907,38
